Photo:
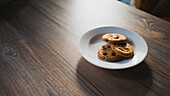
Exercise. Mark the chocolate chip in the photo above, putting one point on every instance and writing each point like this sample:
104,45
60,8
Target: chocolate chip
116,37
108,46
121,49
106,39
104,53
125,48
113,54
124,44
103,58
114,44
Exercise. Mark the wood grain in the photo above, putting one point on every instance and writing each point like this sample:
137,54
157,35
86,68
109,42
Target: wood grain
39,50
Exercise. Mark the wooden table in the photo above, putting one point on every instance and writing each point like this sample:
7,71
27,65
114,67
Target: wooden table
39,53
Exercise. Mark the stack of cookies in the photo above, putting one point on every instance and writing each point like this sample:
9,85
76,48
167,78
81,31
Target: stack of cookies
117,50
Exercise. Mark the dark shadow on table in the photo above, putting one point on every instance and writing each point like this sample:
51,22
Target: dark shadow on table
135,81
12,7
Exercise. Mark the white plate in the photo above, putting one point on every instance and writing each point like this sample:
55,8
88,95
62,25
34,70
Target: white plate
91,41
